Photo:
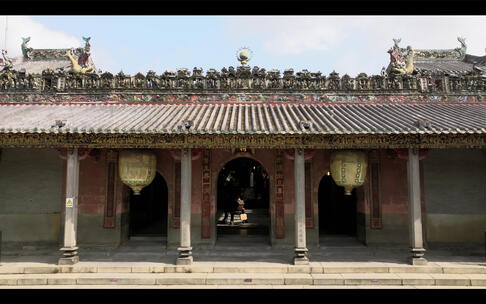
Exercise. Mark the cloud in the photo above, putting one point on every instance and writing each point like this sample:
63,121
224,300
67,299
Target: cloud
103,60
291,35
299,34
41,36
354,43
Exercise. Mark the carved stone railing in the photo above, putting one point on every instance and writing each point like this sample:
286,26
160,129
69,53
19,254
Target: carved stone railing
241,79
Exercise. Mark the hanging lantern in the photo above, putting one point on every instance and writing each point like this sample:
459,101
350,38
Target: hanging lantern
348,169
137,168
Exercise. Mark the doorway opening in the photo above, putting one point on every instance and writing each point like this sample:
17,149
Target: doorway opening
337,214
148,211
248,180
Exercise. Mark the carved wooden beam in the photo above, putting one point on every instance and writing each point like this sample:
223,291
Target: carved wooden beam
308,154
82,152
176,154
224,141
403,153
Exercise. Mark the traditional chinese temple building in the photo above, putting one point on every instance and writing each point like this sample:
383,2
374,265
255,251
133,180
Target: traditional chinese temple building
95,159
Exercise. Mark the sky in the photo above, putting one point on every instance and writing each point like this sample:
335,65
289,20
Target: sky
345,44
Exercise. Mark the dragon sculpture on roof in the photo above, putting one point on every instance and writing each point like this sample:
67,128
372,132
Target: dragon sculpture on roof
81,65
76,67
401,60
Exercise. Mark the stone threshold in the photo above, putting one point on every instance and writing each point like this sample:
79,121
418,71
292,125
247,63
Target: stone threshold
240,279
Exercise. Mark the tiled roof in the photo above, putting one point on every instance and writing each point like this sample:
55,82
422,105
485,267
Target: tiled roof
455,66
442,65
246,118
37,66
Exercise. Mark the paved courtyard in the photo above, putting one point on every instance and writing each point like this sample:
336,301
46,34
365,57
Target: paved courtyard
245,262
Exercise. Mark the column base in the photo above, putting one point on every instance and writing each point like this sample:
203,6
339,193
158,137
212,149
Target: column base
417,257
185,256
300,257
184,261
417,261
68,261
70,256
301,261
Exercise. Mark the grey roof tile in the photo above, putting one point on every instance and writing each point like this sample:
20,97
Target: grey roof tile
277,118
438,65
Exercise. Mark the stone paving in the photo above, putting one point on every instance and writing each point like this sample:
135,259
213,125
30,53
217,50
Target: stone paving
142,265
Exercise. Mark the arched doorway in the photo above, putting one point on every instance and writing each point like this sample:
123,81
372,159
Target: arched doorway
148,211
248,179
337,212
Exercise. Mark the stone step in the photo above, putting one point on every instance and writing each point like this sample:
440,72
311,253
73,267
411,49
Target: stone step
208,267
243,279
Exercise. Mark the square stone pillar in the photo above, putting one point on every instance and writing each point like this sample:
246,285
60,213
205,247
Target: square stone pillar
414,209
185,250
70,255
300,257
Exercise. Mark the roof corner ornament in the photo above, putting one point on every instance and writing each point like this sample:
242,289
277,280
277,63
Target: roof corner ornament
25,49
462,50
397,58
244,55
86,42
423,123
401,60
396,42
83,59
305,124
186,124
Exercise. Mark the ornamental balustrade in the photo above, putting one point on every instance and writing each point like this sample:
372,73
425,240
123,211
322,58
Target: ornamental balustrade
241,79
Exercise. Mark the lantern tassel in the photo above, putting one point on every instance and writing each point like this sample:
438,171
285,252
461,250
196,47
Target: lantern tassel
347,190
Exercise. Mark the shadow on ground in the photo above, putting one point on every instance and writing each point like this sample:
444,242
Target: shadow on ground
248,248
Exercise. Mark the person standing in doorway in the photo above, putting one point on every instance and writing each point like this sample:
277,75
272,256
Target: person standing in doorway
230,207
241,208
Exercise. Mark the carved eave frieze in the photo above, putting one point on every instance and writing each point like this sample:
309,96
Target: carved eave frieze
211,141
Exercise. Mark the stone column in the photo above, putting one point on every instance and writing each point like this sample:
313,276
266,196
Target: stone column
414,209
185,250
300,257
71,215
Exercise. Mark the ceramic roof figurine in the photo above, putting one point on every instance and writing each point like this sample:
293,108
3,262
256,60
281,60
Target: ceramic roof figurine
450,61
34,61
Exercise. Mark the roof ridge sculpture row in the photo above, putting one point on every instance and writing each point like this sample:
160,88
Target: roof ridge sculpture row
241,77
53,54
457,53
12,80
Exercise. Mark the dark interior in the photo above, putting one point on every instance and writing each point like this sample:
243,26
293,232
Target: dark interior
337,212
148,211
